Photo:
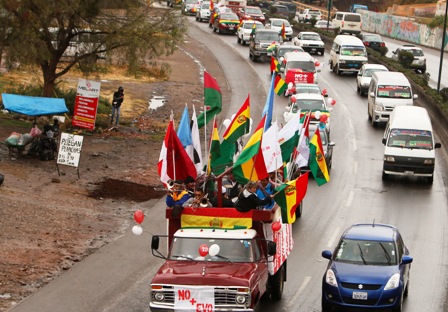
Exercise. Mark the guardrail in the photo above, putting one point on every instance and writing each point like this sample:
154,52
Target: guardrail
301,6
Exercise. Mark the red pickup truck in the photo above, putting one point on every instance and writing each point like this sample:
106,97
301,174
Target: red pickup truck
219,259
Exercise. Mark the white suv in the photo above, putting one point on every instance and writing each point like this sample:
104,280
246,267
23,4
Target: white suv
310,42
203,12
419,62
308,14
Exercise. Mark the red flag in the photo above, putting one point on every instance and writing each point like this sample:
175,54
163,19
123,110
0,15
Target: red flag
174,162
283,32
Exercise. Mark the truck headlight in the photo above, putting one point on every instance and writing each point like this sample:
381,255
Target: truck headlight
240,299
389,158
429,161
342,61
330,278
159,296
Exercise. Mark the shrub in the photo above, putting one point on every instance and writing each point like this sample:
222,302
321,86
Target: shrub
437,21
444,94
383,50
405,58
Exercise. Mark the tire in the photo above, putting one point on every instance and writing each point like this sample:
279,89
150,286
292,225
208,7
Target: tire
299,210
384,176
243,42
338,71
331,65
238,40
325,306
358,89
406,290
430,180
372,121
276,283
400,306
214,29
200,19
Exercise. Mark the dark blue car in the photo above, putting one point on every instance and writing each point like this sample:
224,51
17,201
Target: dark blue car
369,269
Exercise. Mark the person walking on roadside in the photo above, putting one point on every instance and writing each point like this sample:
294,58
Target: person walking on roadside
116,104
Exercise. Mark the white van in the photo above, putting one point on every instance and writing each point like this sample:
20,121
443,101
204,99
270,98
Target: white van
387,90
347,54
348,23
409,144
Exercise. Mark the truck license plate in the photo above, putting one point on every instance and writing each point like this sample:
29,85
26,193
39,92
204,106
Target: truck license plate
409,172
231,28
359,295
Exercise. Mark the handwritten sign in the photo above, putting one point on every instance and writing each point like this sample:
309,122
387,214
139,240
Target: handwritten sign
191,298
70,149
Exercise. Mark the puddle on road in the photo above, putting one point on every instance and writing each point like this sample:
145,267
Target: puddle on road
156,102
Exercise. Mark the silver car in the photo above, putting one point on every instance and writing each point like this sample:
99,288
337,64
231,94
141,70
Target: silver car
365,75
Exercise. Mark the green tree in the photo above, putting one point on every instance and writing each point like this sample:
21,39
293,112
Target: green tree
56,35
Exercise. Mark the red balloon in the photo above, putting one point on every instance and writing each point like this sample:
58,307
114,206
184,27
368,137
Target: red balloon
333,102
203,250
324,118
293,99
139,216
293,90
317,63
276,226
324,91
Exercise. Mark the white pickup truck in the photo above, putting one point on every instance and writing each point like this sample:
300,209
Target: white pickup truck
306,15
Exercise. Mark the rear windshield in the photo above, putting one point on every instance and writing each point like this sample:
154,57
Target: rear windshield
312,12
418,139
268,36
372,38
253,11
314,37
282,51
415,52
353,51
229,16
205,6
352,18
308,105
251,25
394,92
280,23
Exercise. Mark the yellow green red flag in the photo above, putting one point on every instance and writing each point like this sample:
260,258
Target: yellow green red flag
223,218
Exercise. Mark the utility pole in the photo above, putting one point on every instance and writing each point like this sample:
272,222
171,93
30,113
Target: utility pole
329,10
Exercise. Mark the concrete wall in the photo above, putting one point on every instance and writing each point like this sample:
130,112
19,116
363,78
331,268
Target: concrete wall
403,28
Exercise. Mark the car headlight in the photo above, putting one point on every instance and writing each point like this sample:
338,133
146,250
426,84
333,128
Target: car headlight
393,282
330,278
240,299
159,296
429,161
378,107
389,158
257,46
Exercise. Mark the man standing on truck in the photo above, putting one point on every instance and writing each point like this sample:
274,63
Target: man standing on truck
249,200
177,196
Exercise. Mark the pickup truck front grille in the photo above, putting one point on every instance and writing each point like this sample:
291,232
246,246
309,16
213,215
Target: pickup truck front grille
224,296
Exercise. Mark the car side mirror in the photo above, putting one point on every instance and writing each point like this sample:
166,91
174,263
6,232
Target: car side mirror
438,145
326,254
372,94
384,141
406,259
318,70
359,73
272,248
155,242
337,52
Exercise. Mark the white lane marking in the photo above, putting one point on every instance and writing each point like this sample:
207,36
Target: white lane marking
299,292
333,237
349,201
355,168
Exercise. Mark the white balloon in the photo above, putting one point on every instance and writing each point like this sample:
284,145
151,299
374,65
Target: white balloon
213,250
290,85
137,230
226,123
317,114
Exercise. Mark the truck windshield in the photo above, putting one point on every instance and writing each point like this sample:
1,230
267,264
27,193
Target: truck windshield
197,249
395,92
353,51
308,105
416,139
304,66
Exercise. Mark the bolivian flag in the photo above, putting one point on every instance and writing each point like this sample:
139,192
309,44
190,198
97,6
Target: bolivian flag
223,218
271,47
275,65
280,85
250,164
318,164
289,196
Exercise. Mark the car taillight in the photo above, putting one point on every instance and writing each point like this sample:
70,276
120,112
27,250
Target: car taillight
342,24
366,43
382,44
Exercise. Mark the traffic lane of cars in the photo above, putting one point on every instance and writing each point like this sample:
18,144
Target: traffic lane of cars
349,200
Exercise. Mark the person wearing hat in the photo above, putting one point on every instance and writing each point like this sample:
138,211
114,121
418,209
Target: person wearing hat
116,104
199,200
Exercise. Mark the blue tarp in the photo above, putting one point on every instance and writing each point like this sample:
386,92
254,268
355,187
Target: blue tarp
33,105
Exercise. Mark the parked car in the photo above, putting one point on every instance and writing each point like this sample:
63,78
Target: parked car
277,24
189,7
419,62
226,23
309,41
261,41
372,41
279,10
251,13
203,13
245,30
309,14
323,25
292,7
365,75
369,268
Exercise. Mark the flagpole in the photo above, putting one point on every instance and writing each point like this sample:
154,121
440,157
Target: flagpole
172,152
